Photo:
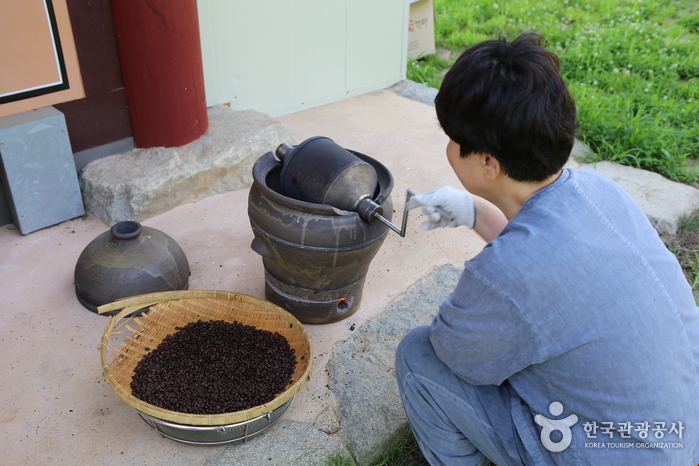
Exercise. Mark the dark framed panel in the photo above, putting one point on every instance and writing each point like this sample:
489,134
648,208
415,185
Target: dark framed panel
40,17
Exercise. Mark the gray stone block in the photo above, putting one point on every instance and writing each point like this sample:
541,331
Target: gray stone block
287,443
663,201
580,154
39,175
416,91
361,369
142,183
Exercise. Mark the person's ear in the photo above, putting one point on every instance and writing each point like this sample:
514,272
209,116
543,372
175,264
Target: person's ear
491,166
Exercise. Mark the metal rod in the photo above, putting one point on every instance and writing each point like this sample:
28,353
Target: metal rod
402,230
282,150
390,225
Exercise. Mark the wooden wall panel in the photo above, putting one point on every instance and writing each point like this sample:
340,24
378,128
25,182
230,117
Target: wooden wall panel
97,120
102,116
95,42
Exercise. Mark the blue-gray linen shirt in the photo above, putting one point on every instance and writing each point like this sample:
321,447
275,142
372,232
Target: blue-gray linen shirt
579,302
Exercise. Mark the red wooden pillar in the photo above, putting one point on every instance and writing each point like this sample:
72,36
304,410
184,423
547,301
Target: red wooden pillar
160,54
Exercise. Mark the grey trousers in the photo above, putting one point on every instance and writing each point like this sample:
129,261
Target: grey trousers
454,422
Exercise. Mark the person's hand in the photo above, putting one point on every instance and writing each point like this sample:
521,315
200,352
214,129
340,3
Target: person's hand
445,207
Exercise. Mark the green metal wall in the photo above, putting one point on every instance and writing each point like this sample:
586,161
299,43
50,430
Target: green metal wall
283,56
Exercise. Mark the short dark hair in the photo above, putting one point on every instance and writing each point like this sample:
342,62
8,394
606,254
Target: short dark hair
508,99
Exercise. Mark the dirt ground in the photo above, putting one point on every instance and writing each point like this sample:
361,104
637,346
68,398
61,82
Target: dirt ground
685,245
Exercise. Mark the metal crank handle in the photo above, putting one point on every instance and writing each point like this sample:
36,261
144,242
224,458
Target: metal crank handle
442,212
401,231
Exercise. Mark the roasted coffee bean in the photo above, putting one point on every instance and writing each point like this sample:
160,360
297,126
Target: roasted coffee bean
215,367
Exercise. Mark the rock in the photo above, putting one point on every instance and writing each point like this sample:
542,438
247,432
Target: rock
581,153
141,183
287,443
663,201
416,91
361,368
327,421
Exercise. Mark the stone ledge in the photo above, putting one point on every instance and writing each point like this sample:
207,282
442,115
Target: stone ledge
287,443
361,370
142,183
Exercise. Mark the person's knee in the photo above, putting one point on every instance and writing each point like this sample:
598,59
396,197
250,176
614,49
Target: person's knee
414,344
415,339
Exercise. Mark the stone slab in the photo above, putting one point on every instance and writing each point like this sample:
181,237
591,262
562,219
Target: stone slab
287,443
416,91
361,370
38,174
141,183
664,202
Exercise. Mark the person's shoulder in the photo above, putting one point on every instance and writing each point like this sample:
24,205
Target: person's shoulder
585,176
597,186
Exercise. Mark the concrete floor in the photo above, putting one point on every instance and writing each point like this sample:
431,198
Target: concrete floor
56,405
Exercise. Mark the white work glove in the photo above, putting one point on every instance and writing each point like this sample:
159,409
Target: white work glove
445,207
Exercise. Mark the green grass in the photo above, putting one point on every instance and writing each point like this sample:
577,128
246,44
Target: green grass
686,249
428,70
690,223
339,459
631,65
402,451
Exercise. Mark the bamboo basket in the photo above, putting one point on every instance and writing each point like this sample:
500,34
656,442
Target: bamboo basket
128,337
